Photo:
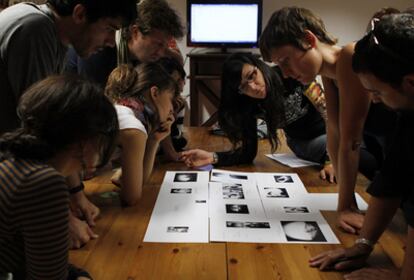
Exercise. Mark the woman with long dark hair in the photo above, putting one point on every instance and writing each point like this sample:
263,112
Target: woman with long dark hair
251,90
67,126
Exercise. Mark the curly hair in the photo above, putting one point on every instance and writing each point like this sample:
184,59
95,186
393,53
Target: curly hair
57,112
156,14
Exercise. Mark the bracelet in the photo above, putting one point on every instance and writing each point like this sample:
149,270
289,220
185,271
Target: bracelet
77,189
215,158
366,242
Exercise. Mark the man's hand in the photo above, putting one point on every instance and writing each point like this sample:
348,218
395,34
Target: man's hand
328,173
350,220
341,259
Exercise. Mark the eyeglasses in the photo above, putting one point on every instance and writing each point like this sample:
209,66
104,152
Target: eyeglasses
376,43
250,78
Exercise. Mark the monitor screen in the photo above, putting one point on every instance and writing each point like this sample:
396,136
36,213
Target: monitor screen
224,23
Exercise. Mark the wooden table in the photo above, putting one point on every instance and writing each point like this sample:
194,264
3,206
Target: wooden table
119,252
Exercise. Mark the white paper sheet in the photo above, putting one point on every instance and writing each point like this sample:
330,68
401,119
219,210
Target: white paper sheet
181,211
225,176
291,160
329,201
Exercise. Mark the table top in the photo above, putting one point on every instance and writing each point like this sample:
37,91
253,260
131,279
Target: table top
120,253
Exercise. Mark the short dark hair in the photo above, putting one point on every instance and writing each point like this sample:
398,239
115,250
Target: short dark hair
236,110
97,9
57,112
387,51
156,14
287,26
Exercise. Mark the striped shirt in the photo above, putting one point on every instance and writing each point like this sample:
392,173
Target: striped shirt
34,231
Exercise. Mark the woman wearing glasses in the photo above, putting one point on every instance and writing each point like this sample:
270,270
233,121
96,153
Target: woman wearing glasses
296,40
251,90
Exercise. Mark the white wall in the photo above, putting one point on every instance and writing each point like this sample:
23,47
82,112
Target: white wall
344,19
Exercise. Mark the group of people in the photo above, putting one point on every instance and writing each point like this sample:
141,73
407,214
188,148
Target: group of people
119,100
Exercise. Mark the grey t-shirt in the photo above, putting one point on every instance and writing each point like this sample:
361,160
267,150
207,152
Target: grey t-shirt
30,50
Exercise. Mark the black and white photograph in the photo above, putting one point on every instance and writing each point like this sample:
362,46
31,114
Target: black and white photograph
177,229
181,191
237,224
302,231
276,192
233,176
185,177
232,224
233,192
296,209
256,225
237,209
283,179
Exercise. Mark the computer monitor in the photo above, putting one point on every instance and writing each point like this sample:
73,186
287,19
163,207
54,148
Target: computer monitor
224,23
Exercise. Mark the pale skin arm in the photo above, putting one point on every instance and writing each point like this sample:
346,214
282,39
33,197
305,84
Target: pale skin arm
332,124
133,143
137,159
353,107
379,215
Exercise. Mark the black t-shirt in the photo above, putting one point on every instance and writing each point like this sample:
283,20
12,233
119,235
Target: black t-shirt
395,178
303,121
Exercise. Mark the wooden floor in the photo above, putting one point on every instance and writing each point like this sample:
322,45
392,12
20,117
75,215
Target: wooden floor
120,253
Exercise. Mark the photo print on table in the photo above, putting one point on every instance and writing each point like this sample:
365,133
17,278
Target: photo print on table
185,177
237,209
181,191
228,175
276,192
283,179
233,191
296,209
179,229
302,231
238,224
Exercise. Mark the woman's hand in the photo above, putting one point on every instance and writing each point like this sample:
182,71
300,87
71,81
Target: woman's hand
196,158
342,259
163,130
328,173
83,208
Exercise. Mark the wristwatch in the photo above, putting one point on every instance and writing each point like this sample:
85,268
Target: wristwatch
365,241
215,158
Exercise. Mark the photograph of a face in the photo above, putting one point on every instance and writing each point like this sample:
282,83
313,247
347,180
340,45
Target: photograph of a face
283,179
237,224
302,231
177,229
181,191
233,192
276,192
237,209
234,176
296,209
185,177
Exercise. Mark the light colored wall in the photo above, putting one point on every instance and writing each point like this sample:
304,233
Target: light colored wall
345,19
